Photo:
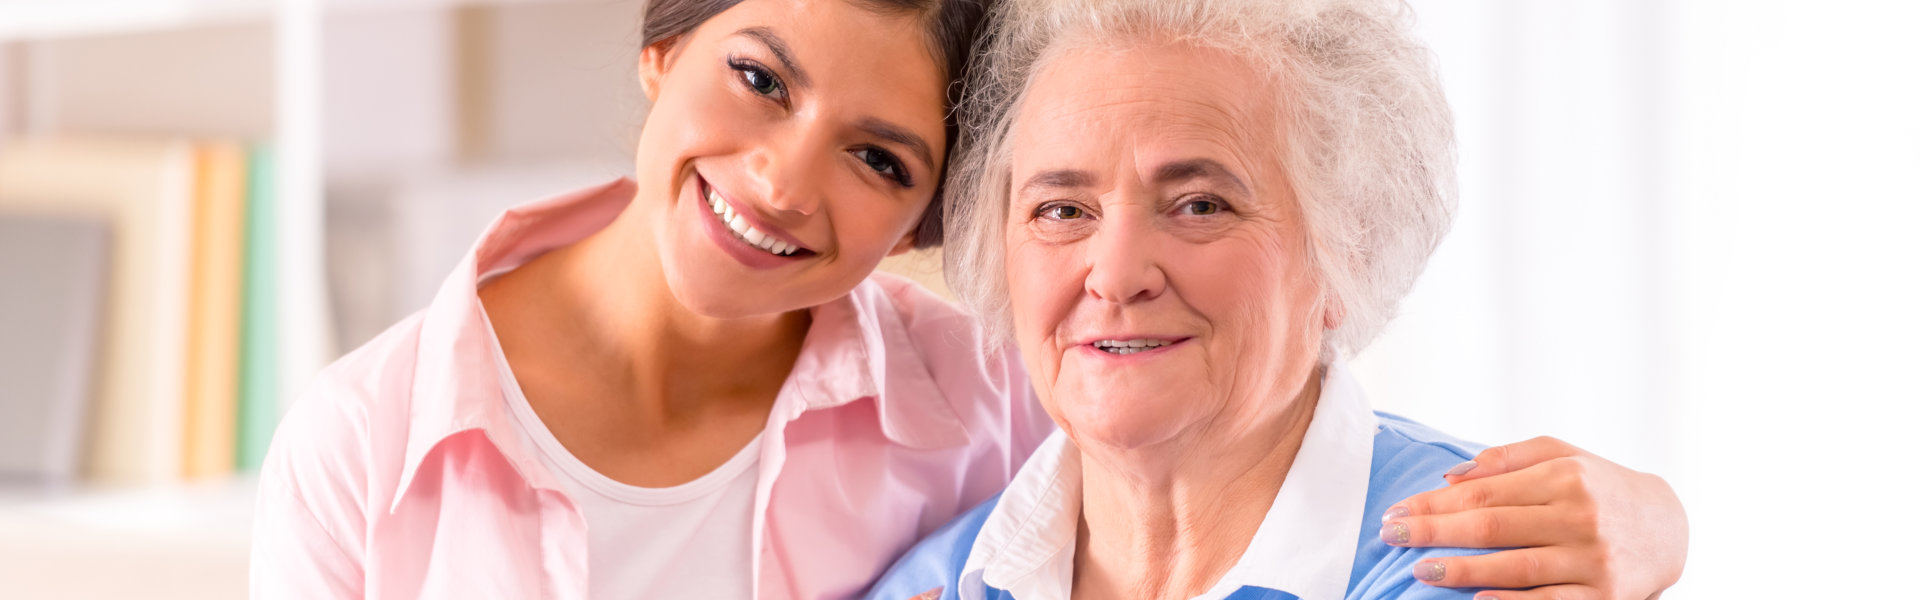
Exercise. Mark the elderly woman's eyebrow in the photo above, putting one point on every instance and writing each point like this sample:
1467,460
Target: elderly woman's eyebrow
781,52
1199,168
1056,179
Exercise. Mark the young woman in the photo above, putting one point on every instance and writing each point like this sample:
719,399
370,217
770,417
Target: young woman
692,384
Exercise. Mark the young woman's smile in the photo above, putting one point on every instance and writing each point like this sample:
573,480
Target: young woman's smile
745,236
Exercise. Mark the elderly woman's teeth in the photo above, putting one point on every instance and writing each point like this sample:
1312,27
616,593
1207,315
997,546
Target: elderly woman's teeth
1128,346
744,231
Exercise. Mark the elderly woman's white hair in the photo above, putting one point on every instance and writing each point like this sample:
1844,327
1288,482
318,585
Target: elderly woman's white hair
1367,136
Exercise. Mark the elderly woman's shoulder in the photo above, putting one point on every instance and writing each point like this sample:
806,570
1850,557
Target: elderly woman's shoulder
1408,458
1406,440
936,562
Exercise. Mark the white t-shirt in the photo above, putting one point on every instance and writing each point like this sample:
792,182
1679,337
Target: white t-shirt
693,540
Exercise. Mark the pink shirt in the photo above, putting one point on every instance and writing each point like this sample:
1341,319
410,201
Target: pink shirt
400,473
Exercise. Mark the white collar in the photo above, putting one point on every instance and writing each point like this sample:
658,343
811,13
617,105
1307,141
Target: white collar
1305,545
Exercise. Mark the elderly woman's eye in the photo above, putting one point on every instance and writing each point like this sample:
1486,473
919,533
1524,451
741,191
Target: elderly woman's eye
1063,212
1204,207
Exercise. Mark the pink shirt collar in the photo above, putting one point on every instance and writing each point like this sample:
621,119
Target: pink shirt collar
856,348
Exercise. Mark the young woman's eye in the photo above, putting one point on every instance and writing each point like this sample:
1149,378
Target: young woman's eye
886,164
759,79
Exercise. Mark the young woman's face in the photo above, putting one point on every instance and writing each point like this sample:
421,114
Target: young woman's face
792,145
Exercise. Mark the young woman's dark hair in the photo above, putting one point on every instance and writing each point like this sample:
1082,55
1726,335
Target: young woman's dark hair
951,27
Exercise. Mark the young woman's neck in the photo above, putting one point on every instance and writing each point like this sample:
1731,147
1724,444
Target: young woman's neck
630,381
682,359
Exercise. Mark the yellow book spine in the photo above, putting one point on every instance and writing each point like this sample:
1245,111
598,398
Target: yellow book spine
213,338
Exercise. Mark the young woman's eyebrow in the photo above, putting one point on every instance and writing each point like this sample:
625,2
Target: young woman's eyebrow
899,135
781,52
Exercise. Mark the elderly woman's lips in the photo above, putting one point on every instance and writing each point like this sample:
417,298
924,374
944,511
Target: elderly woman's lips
1132,346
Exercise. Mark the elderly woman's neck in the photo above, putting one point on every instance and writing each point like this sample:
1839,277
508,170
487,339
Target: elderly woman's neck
1160,523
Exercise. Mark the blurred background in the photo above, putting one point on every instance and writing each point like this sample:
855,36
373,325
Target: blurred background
1684,243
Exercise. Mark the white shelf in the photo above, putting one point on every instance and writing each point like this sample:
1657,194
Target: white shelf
176,541
25,20
45,19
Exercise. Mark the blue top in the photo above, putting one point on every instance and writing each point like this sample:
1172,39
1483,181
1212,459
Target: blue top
1407,458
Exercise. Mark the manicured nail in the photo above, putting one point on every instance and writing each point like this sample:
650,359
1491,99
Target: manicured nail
1394,513
1485,597
1395,533
1462,468
1430,571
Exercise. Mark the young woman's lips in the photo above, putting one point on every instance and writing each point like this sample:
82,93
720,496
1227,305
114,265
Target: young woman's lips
733,237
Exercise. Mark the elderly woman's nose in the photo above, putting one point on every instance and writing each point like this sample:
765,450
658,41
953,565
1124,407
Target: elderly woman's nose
1123,265
784,174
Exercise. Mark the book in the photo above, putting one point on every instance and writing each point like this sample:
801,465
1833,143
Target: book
214,310
144,189
56,272
259,394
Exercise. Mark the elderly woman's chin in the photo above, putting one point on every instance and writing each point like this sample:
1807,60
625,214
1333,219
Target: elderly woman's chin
1139,407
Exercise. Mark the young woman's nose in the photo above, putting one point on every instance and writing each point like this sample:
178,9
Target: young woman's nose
788,174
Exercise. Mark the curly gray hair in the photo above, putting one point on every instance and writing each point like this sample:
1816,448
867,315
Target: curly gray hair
1368,137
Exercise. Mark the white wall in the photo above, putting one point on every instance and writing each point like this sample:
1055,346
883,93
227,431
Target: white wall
1683,243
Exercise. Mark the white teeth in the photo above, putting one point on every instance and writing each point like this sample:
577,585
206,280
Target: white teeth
746,232
1128,346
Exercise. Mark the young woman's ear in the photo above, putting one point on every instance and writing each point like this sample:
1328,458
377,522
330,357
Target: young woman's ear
654,61
904,246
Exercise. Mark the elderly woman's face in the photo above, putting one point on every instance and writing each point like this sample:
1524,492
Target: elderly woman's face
1157,260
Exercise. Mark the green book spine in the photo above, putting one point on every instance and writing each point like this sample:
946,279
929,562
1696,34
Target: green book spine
260,404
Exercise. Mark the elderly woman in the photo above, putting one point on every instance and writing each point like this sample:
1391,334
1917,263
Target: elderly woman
1187,213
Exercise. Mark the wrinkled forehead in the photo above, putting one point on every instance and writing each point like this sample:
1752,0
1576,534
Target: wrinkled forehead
1151,101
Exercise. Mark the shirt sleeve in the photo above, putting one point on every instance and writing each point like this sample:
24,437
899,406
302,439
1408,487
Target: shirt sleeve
309,519
294,554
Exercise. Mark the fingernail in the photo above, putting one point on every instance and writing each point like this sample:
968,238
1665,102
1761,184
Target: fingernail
1430,571
1395,533
1394,513
1462,468
1485,597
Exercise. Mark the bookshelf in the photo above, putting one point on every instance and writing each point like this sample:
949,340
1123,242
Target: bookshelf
379,115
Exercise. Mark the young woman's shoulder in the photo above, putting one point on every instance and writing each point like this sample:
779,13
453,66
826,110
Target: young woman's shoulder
986,383
327,452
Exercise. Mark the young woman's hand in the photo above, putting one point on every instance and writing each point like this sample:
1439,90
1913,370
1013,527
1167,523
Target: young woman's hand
1579,526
